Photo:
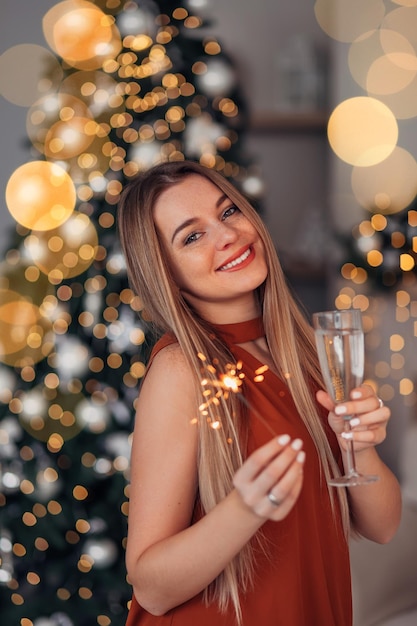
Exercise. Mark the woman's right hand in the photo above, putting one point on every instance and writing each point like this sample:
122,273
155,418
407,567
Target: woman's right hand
270,480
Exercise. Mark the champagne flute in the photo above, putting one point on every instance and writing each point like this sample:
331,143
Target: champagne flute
341,352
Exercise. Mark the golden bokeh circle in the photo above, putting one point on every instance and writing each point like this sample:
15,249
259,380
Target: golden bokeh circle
40,195
95,161
99,92
403,20
26,334
81,33
28,62
52,109
55,417
26,279
66,251
345,20
66,139
362,131
403,104
387,187
382,62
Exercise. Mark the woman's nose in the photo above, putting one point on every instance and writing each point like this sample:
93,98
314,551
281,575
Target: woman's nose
225,235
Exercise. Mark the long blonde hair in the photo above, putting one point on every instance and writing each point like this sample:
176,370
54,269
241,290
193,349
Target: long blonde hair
290,339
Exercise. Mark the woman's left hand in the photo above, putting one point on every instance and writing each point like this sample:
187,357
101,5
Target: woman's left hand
368,417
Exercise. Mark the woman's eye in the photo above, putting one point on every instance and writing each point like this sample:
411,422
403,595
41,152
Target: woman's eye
191,238
230,211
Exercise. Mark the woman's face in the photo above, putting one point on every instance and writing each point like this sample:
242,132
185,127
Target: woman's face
216,255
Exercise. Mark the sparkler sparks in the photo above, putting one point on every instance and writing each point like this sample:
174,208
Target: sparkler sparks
217,387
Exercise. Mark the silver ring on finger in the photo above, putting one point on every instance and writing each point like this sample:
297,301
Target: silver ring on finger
381,404
273,499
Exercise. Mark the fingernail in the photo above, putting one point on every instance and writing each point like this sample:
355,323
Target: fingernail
347,435
283,440
297,444
355,421
355,395
301,456
340,409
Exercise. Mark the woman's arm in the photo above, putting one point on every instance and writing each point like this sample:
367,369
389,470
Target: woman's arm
375,508
169,560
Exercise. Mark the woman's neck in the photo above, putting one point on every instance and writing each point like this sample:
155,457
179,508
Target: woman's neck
230,312
234,311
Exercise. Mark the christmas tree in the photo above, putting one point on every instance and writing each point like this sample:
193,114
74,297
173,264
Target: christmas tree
383,250
133,83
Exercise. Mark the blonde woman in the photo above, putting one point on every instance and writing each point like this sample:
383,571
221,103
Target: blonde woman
231,519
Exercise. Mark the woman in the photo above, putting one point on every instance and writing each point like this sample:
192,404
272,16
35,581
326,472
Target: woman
231,519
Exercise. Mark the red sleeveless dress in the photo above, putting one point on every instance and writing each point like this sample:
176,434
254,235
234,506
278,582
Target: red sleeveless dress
305,580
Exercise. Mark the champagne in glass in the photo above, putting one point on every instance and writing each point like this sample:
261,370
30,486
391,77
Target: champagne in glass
340,347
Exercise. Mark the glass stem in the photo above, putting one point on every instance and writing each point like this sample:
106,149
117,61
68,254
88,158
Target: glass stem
350,453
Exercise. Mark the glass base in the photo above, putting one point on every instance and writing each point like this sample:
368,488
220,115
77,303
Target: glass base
353,480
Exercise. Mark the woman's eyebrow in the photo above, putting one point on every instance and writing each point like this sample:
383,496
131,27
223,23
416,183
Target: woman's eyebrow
181,227
221,199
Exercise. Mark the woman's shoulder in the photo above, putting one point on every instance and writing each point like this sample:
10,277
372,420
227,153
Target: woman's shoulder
167,359
167,339
166,347
168,380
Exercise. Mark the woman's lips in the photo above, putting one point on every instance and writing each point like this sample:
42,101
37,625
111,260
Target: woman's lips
237,261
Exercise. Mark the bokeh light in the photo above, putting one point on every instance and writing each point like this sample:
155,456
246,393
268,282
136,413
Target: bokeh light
66,251
26,334
55,109
83,35
362,131
101,94
382,62
403,104
90,166
27,72
40,195
66,139
136,21
50,419
389,186
403,20
19,274
16,316
215,77
345,20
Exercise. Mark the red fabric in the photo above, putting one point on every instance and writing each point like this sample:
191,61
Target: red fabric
306,579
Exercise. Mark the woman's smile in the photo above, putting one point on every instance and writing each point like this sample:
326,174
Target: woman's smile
238,262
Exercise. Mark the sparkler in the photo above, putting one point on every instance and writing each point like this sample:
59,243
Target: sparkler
219,386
